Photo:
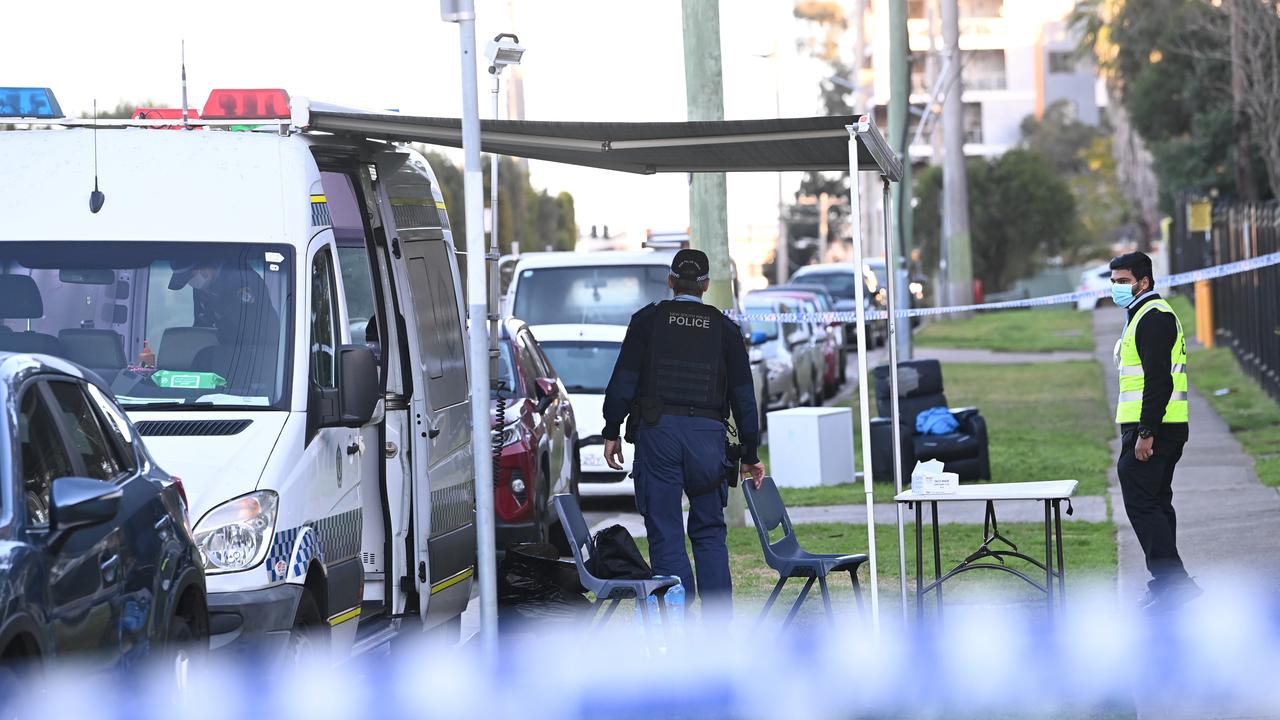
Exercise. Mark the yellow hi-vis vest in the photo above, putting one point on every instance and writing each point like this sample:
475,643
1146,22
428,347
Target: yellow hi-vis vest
1132,381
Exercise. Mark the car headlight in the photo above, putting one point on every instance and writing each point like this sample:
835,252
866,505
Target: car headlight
511,434
236,534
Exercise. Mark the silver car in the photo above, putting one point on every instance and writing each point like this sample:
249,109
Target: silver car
791,357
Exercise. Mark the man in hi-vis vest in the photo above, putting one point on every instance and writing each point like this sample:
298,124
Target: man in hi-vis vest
1151,356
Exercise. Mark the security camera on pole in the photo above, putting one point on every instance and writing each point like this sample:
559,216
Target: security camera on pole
503,50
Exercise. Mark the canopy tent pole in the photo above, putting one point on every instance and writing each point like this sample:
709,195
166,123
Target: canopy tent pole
891,264
864,405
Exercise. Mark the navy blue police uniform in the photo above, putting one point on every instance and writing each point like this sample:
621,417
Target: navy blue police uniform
682,367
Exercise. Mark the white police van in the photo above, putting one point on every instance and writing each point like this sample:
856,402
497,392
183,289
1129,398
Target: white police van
280,313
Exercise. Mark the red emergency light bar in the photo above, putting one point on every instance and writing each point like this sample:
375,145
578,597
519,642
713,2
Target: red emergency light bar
261,104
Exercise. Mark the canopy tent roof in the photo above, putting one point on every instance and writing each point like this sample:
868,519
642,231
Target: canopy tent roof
815,143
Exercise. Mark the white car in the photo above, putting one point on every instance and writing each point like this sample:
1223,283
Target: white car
583,357
1095,278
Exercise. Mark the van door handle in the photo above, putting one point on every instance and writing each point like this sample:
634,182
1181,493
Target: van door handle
108,567
433,432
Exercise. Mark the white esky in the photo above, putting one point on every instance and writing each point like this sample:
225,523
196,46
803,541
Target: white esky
586,60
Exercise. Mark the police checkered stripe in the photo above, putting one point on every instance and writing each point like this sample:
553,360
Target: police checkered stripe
320,214
331,539
340,535
452,507
1187,278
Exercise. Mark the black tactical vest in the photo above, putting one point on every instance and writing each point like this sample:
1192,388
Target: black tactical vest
685,366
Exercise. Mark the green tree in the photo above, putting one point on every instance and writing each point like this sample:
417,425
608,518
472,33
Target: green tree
1171,62
1025,214
533,218
1081,153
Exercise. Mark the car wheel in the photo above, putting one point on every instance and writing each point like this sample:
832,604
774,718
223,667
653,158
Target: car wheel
310,633
185,646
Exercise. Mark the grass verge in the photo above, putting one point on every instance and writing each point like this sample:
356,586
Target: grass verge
1254,418
1040,330
1090,554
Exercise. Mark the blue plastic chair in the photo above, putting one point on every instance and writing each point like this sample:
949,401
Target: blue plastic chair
788,558
583,546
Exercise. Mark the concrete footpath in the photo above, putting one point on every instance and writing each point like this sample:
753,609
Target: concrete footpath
1228,522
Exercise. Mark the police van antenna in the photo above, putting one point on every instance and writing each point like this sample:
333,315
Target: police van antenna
184,84
96,198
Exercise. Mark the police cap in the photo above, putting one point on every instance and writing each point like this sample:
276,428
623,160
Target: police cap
689,264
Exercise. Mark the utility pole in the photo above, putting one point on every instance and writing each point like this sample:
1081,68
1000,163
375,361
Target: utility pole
708,194
899,105
955,191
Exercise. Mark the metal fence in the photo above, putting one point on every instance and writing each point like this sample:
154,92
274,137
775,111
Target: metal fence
1246,307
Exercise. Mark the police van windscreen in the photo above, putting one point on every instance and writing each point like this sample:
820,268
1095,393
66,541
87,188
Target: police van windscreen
583,367
164,324
590,295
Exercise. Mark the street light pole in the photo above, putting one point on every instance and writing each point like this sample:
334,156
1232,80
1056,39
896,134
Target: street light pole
463,12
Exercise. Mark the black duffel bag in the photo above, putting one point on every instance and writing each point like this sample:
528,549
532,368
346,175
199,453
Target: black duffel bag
616,556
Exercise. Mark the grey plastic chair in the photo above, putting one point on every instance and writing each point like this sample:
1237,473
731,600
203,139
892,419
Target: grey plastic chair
583,546
788,558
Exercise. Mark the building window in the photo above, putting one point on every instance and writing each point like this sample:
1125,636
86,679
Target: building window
972,123
983,69
981,8
1062,62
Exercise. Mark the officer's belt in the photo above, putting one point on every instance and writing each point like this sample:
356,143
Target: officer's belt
690,411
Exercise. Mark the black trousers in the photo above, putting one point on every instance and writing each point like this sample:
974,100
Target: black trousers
1147,488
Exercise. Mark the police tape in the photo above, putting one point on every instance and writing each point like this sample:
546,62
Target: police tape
847,316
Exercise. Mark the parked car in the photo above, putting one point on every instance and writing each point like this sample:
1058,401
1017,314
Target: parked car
845,333
539,435
97,557
1097,277
823,336
584,355
790,355
838,278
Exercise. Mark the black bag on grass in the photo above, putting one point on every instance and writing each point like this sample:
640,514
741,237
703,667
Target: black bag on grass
617,557
535,585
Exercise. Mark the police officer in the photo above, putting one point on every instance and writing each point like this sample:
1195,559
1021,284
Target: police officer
1152,411
682,367
233,300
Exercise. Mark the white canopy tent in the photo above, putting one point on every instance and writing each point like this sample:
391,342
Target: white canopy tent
784,144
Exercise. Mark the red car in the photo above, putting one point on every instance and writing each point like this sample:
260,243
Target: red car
535,443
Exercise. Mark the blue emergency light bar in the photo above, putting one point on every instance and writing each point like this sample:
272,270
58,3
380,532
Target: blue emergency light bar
29,102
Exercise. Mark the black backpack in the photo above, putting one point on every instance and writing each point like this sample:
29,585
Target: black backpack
617,557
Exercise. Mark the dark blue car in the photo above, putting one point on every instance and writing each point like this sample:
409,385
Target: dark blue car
96,554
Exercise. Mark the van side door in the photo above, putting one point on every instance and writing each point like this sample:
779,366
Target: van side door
427,277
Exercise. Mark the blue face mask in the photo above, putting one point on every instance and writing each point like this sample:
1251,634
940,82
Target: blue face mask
1121,295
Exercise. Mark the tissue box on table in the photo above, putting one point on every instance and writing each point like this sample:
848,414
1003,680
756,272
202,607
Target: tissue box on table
929,478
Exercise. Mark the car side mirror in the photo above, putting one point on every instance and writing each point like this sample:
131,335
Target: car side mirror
759,337
548,390
357,385
81,502
352,402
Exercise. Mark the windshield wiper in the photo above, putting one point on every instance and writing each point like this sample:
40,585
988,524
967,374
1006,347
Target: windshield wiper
168,404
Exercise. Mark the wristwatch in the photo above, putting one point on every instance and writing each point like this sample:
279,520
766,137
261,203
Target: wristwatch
1145,432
